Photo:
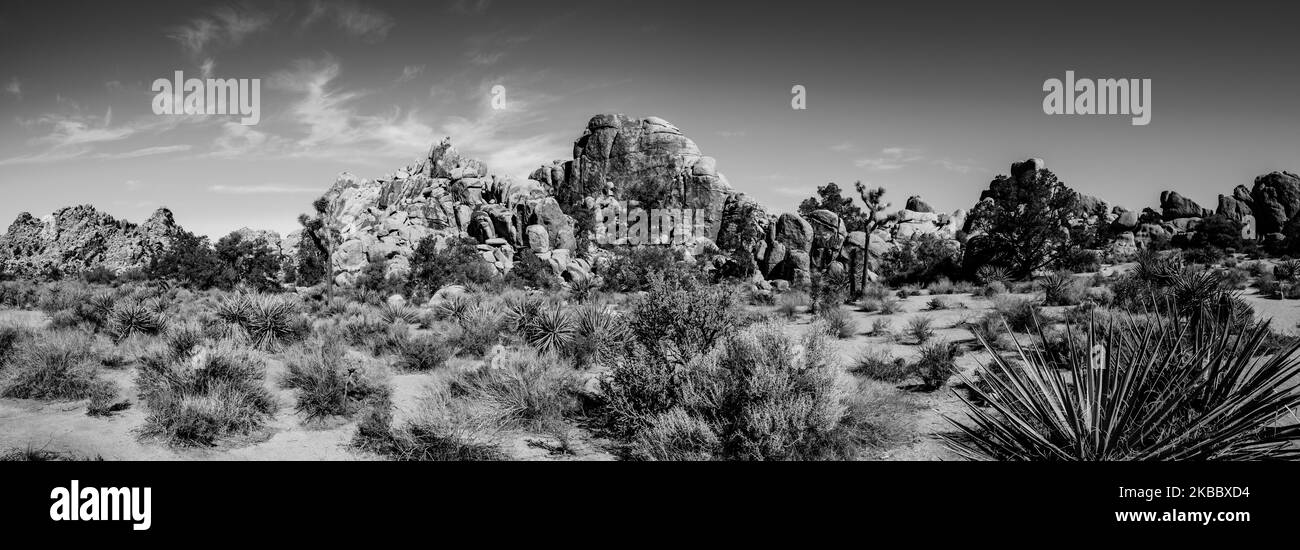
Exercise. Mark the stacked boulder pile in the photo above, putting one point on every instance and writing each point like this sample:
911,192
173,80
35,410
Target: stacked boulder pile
618,160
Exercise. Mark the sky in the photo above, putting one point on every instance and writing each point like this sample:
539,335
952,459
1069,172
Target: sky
924,98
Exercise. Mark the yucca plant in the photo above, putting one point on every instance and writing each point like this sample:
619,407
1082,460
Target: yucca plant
234,310
1287,270
272,321
552,330
392,313
989,274
520,309
1158,269
602,335
1149,387
1056,288
456,307
127,320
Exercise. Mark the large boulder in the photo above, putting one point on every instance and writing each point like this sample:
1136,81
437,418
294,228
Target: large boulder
1174,206
1276,198
1233,207
915,204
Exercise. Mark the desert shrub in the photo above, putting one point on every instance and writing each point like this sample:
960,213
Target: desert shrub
935,365
920,328
248,261
99,275
479,329
525,390
218,393
936,304
10,336
423,352
994,288
1162,390
531,272
435,436
103,400
761,396
190,261
18,294
458,262
519,309
1019,313
683,318
634,269
986,327
838,323
881,327
1158,268
791,303
878,365
52,365
1028,225
921,259
329,383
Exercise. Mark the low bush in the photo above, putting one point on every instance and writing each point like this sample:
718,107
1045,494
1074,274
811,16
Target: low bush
329,382
51,365
220,392
920,328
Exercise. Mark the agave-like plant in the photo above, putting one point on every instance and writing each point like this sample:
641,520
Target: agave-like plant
992,274
271,322
235,310
1144,387
456,307
1287,270
1056,287
520,309
392,313
130,319
1153,267
551,330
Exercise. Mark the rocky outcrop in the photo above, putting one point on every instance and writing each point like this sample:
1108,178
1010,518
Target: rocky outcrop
79,238
1275,200
1174,206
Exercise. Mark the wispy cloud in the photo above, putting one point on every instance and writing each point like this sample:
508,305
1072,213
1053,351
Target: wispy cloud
891,158
14,88
843,147
145,152
958,167
266,189
409,73
732,133
224,27
361,22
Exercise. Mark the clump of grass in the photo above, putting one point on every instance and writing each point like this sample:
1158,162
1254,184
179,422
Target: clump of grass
878,365
935,366
33,454
791,303
479,328
882,327
936,304
329,382
218,393
103,400
423,353
1020,313
438,435
1059,289
523,390
921,329
54,365
989,274
837,322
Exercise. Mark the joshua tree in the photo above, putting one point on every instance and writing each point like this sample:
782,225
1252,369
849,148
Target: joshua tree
324,236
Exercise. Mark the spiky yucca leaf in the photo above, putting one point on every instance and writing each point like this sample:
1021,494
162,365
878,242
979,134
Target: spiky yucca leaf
1151,387
391,313
551,330
127,320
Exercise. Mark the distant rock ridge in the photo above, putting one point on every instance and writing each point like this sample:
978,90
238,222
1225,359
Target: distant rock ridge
79,238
